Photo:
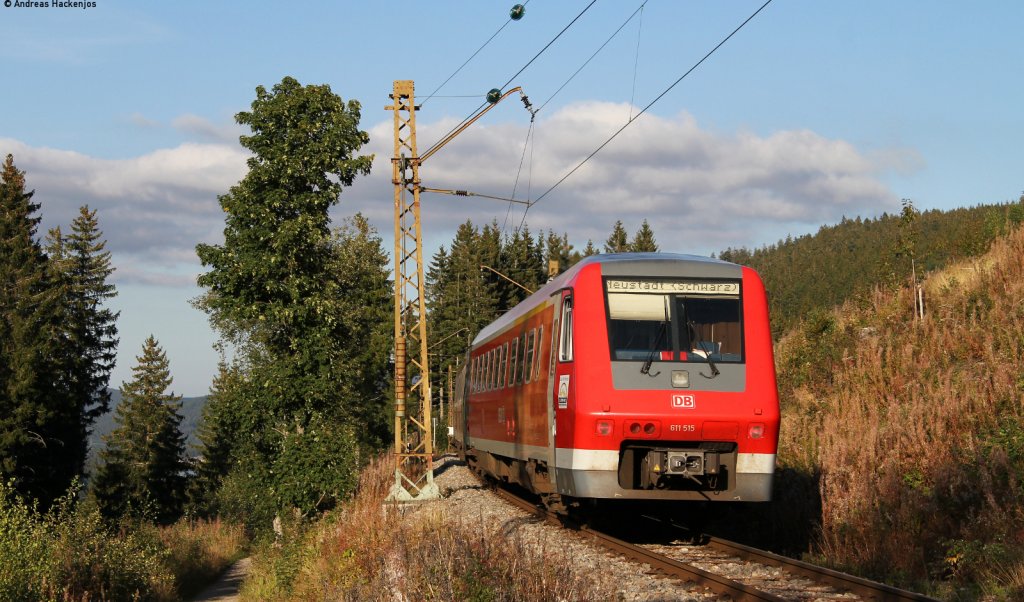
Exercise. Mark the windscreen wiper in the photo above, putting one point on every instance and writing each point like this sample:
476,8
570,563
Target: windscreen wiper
646,368
707,354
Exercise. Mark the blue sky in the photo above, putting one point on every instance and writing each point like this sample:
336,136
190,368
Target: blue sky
815,110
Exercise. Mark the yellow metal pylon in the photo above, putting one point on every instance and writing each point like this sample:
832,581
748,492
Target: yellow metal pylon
414,438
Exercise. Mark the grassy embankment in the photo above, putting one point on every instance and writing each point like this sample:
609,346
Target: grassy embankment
69,554
367,550
913,431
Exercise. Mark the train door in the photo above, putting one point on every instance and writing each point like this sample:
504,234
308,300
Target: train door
563,371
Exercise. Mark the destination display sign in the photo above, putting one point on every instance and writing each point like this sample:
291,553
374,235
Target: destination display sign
664,287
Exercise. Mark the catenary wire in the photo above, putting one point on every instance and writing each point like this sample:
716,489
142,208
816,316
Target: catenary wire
471,57
649,105
519,172
596,52
528,63
636,58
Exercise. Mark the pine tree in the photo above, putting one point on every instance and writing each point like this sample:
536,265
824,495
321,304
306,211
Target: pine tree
643,241
618,241
142,469
590,249
36,419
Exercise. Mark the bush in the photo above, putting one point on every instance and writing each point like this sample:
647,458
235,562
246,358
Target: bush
71,553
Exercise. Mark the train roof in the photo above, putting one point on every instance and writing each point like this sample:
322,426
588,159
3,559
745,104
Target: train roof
617,264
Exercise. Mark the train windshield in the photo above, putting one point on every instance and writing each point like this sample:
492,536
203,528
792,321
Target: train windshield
675,320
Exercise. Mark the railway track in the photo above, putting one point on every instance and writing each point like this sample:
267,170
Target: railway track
766,576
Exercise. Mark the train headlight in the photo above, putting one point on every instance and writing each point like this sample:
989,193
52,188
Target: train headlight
756,431
604,427
681,379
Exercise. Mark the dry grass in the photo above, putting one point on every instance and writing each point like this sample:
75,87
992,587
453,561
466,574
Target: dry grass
199,551
369,551
916,427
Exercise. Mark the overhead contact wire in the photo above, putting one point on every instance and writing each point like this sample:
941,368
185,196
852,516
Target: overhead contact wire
471,57
649,105
542,50
519,172
592,56
636,58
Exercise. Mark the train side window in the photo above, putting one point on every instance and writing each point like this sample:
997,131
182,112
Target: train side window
485,380
512,362
490,370
565,343
495,362
540,345
528,364
504,366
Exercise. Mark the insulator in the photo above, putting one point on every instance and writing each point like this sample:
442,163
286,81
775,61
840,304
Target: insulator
517,12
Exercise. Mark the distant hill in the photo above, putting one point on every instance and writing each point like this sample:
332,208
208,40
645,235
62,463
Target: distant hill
817,272
191,411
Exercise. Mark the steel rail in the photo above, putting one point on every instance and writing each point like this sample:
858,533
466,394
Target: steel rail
739,592
866,588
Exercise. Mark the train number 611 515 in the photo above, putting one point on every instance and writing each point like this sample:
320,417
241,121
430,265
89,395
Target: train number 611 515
681,428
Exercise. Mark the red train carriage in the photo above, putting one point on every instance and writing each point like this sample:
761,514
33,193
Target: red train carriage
630,376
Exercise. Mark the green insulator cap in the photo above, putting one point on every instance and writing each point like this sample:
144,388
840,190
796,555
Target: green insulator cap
494,95
517,12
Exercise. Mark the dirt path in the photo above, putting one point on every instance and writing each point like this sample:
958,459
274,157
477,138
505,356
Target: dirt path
225,589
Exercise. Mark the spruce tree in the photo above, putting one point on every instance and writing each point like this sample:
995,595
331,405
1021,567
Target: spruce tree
36,418
618,240
142,468
89,330
643,241
460,298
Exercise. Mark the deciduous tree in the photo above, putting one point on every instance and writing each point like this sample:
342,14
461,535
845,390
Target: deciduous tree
277,291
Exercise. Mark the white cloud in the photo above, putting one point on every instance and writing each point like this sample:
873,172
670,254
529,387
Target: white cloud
701,190
153,209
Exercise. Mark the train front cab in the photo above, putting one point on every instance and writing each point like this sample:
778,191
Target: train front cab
640,412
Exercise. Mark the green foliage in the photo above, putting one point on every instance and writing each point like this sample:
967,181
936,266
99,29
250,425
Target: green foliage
304,310
68,554
142,470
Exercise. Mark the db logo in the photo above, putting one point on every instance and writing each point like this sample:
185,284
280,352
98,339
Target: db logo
684,401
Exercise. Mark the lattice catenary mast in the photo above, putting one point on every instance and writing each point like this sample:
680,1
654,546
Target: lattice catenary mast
414,437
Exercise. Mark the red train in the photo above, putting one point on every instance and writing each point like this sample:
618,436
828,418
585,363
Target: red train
629,376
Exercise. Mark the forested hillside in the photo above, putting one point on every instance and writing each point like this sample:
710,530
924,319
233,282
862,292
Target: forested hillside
821,270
